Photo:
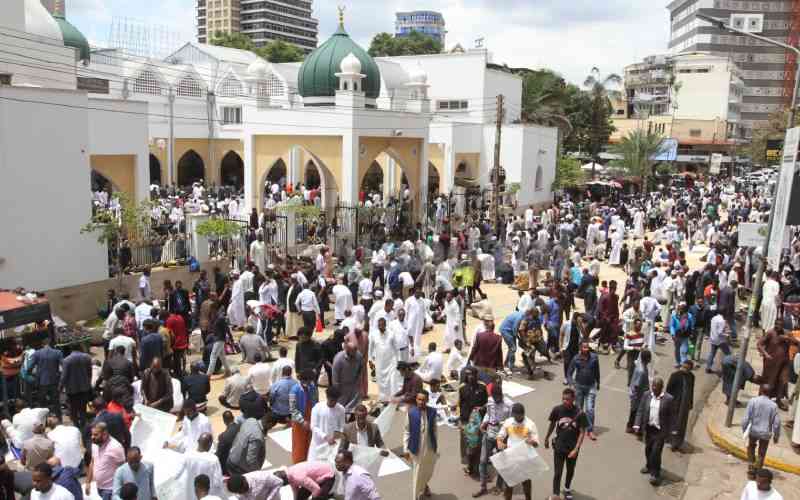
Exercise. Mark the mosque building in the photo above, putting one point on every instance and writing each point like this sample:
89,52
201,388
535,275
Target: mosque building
226,116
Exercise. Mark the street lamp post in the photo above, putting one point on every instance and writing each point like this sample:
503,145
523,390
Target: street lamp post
764,249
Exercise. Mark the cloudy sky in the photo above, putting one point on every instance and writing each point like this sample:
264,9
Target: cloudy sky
568,36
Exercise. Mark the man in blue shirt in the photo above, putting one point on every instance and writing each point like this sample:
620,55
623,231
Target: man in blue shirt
681,327
46,362
279,396
151,346
552,321
508,330
584,375
137,472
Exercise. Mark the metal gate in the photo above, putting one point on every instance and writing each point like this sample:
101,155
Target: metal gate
276,233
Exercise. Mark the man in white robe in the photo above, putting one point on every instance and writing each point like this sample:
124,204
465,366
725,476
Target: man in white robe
616,247
383,353
236,316
452,313
638,224
327,424
258,252
343,300
402,341
203,461
415,322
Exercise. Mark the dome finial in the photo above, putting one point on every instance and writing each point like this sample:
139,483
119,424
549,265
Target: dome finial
341,9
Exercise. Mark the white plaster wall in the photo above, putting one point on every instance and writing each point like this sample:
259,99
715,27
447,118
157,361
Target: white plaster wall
34,61
119,127
507,85
703,96
44,191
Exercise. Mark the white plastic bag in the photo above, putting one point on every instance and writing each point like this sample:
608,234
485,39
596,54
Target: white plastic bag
518,463
385,419
151,429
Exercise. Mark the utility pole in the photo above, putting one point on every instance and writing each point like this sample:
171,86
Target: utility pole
759,278
497,137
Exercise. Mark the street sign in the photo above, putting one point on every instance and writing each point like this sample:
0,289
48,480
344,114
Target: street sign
774,147
668,151
781,208
752,234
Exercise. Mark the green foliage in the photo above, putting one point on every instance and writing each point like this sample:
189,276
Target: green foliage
218,228
568,173
637,150
384,44
546,98
513,187
774,128
597,111
303,212
133,220
279,51
233,41
276,51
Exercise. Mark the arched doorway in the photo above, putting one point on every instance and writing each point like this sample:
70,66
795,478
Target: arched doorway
312,179
275,175
373,180
191,169
232,170
155,170
101,183
433,180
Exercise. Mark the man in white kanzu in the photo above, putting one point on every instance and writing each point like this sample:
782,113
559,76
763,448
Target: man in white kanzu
327,423
415,322
258,251
452,312
343,300
236,316
383,353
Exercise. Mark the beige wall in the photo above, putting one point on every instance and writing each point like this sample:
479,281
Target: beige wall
206,150
402,149
325,151
710,130
436,158
473,161
119,169
81,302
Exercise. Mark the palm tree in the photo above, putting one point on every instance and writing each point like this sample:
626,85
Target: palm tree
545,98
638,150
600,126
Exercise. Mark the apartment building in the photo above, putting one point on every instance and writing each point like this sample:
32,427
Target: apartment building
263,21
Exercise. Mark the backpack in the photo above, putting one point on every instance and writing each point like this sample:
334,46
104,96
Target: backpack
394,279
27,370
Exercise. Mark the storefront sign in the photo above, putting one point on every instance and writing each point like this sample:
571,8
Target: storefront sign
781,205
752,234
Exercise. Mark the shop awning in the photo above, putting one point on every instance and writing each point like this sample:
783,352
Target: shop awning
14,312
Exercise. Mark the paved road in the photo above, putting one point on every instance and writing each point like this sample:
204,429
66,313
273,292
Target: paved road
607,468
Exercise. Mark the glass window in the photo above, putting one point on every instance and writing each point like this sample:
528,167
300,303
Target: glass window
231,115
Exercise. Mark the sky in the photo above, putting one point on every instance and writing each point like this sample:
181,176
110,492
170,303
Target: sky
567,36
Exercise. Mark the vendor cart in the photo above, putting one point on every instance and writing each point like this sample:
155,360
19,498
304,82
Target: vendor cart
20,310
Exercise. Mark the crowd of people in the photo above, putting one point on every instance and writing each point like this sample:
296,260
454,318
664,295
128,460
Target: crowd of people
378,302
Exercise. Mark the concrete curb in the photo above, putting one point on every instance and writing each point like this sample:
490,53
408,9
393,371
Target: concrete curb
740,451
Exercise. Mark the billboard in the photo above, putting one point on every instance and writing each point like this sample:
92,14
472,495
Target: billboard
668,151
774,147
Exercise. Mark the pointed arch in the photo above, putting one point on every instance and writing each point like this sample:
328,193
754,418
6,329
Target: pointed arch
312,178
232,170
191,168
230,86
276,172
149,82
373,179
189,86
155,170
434,179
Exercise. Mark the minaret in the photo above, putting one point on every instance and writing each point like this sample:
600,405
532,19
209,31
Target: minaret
417,86
351,92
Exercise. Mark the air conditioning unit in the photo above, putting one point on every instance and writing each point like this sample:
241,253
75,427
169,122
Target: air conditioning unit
751,23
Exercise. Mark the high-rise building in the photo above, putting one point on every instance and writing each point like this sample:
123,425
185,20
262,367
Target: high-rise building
263,21
422,21
763,66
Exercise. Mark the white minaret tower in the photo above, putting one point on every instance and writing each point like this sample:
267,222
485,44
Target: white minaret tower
417,86
351,91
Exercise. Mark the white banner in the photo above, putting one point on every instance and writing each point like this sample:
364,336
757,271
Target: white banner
518,463
386,419
151,429
781,208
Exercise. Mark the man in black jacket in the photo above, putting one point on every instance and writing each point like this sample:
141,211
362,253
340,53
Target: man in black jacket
656,415
179,303
225,442
726,305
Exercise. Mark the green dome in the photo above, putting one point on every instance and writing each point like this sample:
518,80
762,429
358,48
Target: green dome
317,76
73,37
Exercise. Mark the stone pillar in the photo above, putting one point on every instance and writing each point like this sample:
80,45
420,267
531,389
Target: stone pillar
200,248
389,177
349,178
250,175
293,169
448,176
423,181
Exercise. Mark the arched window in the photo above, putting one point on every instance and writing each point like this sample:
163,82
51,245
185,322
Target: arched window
344,84
537,185
275,86
147,83
230,87
189,87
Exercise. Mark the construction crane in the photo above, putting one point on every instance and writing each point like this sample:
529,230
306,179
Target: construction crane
791,58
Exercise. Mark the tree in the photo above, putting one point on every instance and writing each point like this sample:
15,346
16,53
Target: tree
600,111
385,45
279,51
233,41
545,98
774,128
638,150
111,227
568,173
